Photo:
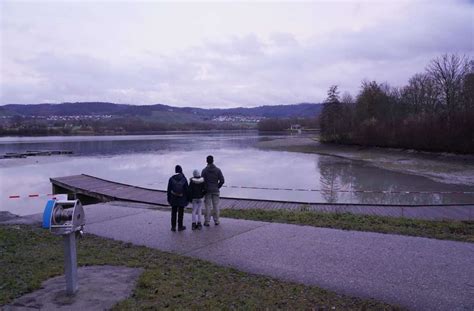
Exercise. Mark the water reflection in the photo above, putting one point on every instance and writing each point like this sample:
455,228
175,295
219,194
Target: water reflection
114,145
345,180
149,161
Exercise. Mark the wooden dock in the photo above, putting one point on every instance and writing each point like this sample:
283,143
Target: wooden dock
90,190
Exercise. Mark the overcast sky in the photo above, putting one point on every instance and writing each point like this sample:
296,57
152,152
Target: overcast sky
219,54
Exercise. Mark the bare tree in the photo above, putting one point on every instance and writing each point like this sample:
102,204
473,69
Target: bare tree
468,88
347,98
448,73
421,94
372,101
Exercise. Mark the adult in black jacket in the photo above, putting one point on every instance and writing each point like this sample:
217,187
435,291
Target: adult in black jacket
177,197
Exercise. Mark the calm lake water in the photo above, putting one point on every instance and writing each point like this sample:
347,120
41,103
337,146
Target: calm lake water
148,161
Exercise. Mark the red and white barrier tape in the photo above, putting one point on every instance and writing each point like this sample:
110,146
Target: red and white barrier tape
353,191
290,189
30,196
336,190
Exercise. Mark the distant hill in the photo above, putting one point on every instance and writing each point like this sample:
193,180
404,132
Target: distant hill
150,111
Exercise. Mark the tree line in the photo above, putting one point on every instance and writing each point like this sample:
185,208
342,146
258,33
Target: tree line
433,112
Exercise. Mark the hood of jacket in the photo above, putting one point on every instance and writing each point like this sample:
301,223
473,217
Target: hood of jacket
212,168
178,176
199,180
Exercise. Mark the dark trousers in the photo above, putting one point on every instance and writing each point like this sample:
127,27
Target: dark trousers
177,210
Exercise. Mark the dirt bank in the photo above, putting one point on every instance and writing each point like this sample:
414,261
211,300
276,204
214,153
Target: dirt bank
440,167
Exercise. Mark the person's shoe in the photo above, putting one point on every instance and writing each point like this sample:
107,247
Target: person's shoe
199,226
206,224
173,229
216,223
194,226
182,228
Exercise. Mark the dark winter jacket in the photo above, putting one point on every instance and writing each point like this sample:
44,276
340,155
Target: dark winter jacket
177,199
196,188
213,178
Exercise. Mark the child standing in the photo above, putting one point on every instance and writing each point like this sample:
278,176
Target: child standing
196,197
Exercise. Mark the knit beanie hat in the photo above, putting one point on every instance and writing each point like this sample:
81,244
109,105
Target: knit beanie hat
196,173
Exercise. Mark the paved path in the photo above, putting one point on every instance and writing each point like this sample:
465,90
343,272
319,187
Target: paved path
418,273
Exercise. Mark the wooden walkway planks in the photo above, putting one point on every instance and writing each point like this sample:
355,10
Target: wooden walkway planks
86,186
104,190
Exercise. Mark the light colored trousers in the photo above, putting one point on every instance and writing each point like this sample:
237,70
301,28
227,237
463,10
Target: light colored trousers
197,208
211,200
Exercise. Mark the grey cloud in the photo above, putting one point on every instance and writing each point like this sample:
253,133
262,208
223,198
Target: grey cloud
244,46
283,39
250,70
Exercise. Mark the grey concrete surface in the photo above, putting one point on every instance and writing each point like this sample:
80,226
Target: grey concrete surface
414,272
417,273
152,228
100,287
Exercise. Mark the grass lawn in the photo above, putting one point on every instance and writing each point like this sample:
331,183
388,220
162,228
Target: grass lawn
444,230
30,255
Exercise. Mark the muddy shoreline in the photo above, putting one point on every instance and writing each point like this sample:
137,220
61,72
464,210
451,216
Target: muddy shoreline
441,167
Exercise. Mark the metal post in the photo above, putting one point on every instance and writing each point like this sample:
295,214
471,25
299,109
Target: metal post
55,189
70,263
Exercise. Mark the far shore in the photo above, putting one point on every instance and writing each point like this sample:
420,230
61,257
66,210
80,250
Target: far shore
163,132
441,167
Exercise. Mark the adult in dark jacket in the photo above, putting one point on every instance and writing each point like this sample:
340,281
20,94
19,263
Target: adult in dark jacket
213,179
177,197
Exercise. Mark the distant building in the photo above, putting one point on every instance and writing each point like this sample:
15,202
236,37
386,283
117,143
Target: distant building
238,118
296,127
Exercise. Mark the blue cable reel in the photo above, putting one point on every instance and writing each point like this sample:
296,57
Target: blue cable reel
63,216
48,213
